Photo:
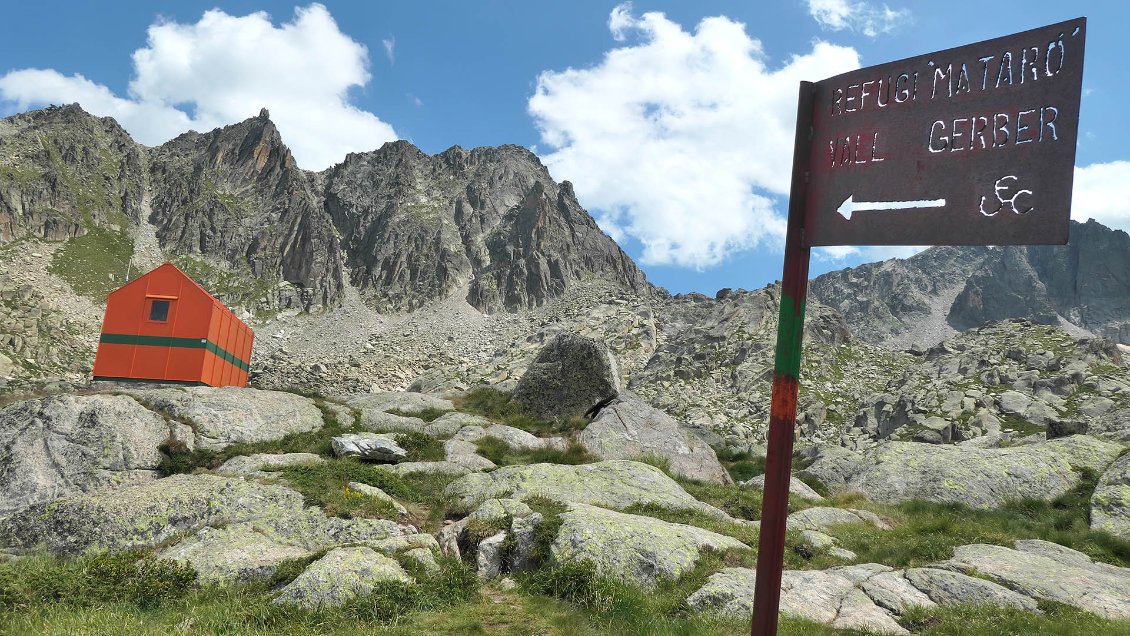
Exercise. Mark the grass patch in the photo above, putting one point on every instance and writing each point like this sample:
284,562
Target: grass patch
747,534
503,454
106,603
622,608
743,503
325,485
742,465
91,579
926,532
1020,426
420,447
498,406
179,459
978,620
454,583
820,487
546,532
86,262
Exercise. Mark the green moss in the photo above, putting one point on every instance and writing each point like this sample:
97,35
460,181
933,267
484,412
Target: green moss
546,532
747,534
978,620
742,465
87,262
420,447
1021,426
91,579
743,503
498,406
324,485
925,532
503,454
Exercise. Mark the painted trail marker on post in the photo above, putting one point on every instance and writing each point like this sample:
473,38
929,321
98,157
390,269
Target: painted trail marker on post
973,145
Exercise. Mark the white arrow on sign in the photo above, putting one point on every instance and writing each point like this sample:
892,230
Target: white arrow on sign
850,205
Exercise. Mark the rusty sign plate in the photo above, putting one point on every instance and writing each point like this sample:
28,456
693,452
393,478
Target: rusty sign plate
970,146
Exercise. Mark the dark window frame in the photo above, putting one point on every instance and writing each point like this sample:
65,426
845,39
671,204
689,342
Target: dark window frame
154,304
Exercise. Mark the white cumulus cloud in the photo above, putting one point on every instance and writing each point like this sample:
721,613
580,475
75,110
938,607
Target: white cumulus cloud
857,15
679,139
222,70
1100,193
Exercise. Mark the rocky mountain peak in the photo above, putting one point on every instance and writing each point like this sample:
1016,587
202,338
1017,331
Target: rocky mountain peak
487,223
1083,286
231,206
252,149
63,172
235,194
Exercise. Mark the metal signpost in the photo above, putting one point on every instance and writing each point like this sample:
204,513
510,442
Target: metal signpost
970,146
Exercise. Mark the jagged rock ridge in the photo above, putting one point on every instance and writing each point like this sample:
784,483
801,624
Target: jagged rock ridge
490,221
236,194
232,207
63,172
1082,286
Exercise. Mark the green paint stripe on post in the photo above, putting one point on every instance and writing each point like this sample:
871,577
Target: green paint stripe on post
180,343
790,330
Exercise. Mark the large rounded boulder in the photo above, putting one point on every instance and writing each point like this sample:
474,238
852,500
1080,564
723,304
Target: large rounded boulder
571,375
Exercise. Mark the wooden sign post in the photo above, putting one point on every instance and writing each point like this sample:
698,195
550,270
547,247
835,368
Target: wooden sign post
969,146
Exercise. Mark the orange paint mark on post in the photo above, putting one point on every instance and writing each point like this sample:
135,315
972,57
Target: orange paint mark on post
164,327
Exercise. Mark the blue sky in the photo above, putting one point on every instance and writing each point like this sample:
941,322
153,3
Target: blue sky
672,119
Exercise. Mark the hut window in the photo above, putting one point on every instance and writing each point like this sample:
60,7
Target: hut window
159,311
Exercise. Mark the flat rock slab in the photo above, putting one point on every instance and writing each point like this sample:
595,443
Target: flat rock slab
946,587
834,466
822,518
376,447
339,576
403,401
1110,503
822,596
69,444
253,465
228,415
610,484
237,553
982,478
381,422
497,509
864,597
144,515
509,435
150,514
632,547
1051,573
797,488
451,423
463,453
570,376
438,468
630,428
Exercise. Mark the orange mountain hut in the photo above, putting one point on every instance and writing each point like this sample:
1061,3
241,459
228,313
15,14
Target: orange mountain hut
164,327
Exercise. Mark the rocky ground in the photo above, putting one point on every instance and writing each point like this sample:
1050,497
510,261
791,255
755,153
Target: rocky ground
506,413
327,502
